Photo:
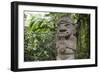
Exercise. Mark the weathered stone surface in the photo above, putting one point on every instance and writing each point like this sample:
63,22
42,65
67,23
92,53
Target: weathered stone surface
66,41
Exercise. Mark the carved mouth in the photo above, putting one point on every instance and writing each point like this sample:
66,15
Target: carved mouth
63,30
67,37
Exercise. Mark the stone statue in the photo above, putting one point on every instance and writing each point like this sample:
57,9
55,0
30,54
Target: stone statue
66,41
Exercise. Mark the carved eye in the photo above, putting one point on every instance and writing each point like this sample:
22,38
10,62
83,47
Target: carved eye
62,22
67,24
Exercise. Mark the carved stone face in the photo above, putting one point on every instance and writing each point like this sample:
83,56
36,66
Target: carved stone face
65,26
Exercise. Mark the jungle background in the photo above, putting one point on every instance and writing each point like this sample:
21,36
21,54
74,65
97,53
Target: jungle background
40,30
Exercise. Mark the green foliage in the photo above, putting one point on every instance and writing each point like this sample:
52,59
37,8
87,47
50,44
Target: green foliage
39,36
83,44
39,40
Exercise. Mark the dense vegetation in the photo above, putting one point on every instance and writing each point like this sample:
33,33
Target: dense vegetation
40,31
